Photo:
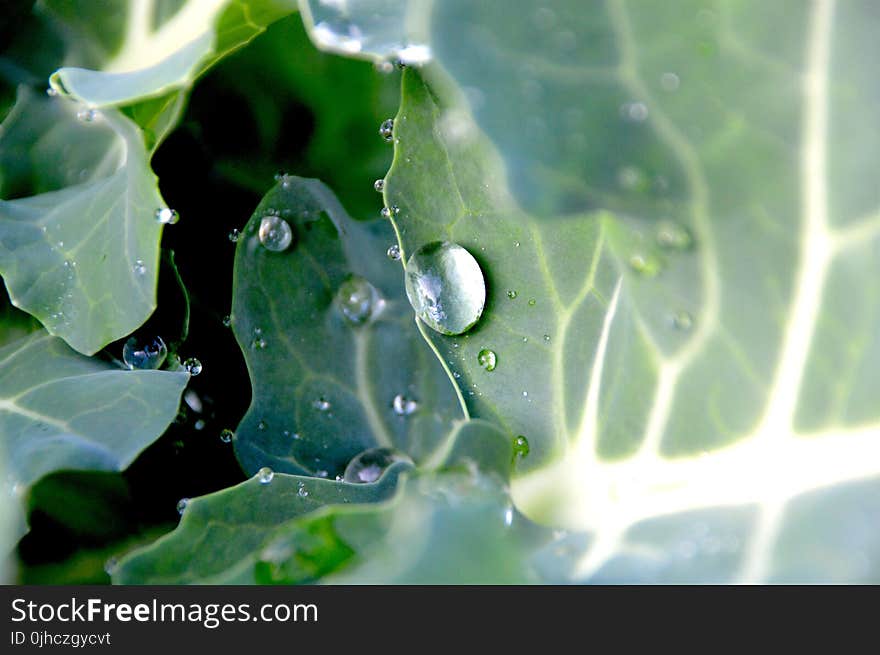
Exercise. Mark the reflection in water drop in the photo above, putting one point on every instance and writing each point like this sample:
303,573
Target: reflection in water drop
370,464
386,129
393,252
275,233
149,355
358,300
265,475
167,216
445,286
487,359
226,435
181,505
193,366
403,406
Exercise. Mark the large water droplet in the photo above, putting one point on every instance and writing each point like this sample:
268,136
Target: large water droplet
379,185
181,505
226,435
275,233
148,355
386,129
265,475
521,446
445,287
403,406
357,300
167,216
487,359
193,366
370,464
234,235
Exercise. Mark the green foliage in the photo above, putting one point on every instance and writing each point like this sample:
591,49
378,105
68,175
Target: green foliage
674,211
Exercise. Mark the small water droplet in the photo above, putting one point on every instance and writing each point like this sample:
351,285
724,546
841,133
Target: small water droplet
234,235
265,475
87,115
258,343
261,426
532,302
226,435
110,565
386,129
321,404
200,424
487,359
516,244
275,233
139,268
669,81
683,321
644,265
384,66
181,505
301,491
547,338
635,112
673,236
511,294
358,300
370,464
521,446
508,516
166,216
445,286
148,355
386,212
193,366
227,320
393,252
404,406
51,92
379,185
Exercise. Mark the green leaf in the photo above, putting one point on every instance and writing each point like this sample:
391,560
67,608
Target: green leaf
452,524
82,252
60,410
222,536
324,387
153,54
700,251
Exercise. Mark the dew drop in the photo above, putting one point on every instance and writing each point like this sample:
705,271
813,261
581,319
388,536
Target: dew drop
508,516
511,294
403,406
181,505
301,491
644,265
265,475
87,115
193,366
199,425
532,302
379,185
673,236
234,235
386,212
520,447
258,343
227,320
683,321
547,338
139,267
445,287
51,92
670,82
226,435
357,299
487,359
370,464
148,355
393,252
321,404
166,216
386,129
261,426
385,67
275,233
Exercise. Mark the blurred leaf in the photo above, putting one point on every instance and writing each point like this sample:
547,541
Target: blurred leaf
324,386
